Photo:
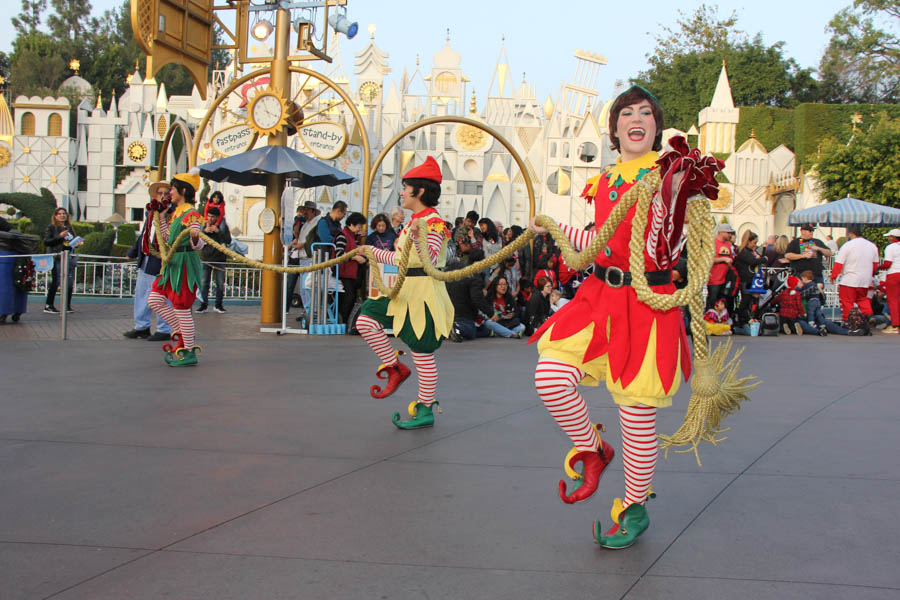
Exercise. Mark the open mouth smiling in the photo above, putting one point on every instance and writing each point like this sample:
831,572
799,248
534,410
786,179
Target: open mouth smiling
636,134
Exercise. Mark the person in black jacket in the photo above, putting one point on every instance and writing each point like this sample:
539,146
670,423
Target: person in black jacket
148,267
469,304
209,254
56,239
538,309
747,262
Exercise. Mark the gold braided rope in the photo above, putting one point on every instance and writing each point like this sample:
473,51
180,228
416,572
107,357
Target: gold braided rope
717,391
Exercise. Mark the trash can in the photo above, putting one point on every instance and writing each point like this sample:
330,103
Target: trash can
13,301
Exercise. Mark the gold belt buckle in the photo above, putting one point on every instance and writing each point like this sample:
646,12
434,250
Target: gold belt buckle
620,277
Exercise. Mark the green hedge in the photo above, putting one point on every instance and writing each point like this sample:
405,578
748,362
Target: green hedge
127,234
803,128
38,208
120,249
25,225
83,228
100,244
773,126
815,122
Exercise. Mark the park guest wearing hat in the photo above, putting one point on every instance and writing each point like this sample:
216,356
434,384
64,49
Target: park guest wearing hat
179,279
148,267
806,252
891,264
421,315
299,255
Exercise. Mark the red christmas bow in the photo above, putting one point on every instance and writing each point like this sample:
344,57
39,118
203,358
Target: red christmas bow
669,204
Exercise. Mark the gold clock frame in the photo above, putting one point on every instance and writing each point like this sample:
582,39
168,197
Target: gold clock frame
282,121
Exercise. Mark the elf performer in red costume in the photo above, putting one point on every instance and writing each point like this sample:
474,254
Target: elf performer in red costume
421,315
606,335
180,277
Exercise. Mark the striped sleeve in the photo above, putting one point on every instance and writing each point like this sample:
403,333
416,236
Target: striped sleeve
385,257
340,243
579,237
435,241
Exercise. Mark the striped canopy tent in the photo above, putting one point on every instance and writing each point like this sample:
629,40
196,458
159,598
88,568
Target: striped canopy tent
848,211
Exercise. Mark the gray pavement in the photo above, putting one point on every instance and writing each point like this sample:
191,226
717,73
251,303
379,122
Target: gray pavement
268,472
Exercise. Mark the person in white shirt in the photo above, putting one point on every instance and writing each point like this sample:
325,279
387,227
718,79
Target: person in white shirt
832,245
856,262
891,264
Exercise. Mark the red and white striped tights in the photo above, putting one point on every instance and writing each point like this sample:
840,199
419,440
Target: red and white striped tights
556,385
426,368
180,317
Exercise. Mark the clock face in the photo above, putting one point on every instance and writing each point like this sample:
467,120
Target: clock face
137,151
368,92
267,112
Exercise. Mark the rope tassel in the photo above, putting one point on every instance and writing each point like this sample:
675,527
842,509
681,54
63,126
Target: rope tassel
716,392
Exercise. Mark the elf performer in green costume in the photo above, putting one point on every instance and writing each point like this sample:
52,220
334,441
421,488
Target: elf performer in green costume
421,315
605,335
179,279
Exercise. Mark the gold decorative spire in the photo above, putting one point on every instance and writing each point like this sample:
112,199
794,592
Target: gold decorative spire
753,133
75,64
548,107
417,60
472,108
99,93
448,34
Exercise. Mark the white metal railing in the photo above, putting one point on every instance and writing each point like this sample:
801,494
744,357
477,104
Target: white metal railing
102,279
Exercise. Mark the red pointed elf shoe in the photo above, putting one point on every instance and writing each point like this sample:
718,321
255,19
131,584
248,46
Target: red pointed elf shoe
395,375
179,344
594,463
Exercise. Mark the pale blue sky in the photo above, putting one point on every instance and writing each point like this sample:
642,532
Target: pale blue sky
542,36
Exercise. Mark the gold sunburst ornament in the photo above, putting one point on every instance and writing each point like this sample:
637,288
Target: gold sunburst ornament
137,151
470,138
5,155
268,112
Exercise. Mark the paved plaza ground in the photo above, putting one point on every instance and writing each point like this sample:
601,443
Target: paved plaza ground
269,473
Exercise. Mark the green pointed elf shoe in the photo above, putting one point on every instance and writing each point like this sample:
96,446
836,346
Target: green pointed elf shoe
182,358
420,416
633,521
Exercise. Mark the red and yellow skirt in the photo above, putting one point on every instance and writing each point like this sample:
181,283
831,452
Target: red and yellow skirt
642,354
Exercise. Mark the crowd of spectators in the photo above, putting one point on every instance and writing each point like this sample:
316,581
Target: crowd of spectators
761,290
753,288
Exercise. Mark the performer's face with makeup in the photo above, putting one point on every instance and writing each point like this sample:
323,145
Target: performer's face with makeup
636,130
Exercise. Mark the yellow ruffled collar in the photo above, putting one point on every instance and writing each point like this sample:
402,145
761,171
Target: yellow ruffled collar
628,171
180,210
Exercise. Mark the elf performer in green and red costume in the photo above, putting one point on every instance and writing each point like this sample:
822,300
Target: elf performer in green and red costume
605,335
179,279
421,315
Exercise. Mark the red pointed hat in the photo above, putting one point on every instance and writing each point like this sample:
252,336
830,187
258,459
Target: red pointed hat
427,170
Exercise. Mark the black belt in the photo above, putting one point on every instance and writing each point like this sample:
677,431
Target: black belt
184,249
615,277
416,272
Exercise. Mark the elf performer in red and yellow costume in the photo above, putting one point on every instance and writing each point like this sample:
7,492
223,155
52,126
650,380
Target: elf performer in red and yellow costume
421,315
606,335
179,278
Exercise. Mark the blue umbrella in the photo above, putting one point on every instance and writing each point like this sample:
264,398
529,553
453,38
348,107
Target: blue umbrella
848,211
251,168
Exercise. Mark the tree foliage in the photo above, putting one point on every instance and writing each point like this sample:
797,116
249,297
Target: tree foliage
104,45
862,60
29,19
700,31
758,74
865,168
